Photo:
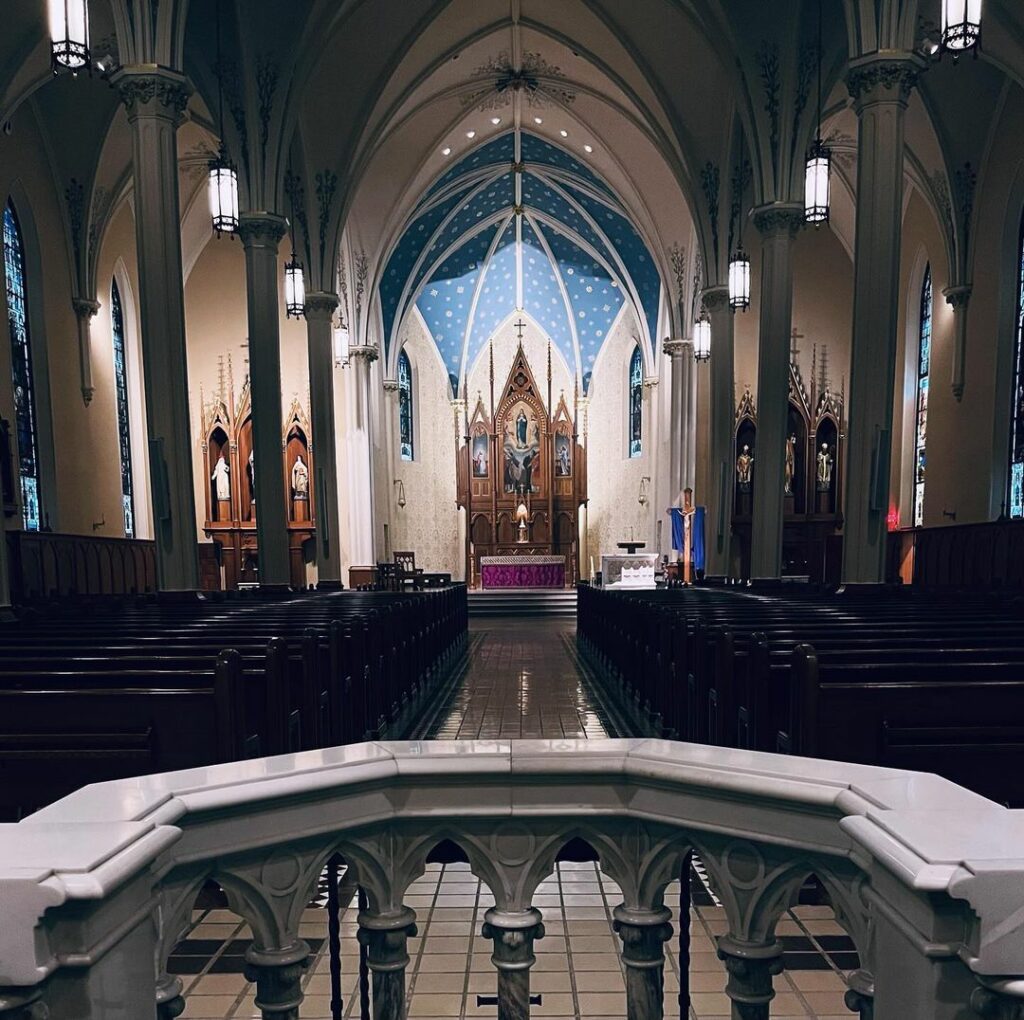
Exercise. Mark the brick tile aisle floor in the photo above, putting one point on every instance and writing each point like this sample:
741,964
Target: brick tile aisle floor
523,681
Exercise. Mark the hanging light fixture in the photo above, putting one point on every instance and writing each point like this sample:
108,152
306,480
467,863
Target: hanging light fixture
294,282
69,34
961,24
702,338
819,162
341,343
739,261
222,178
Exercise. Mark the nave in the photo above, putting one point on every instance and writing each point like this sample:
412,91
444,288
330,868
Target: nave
522,679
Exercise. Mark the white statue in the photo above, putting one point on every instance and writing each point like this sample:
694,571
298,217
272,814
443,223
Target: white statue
824,468
744,464
790,463
222,478
300,479
252,475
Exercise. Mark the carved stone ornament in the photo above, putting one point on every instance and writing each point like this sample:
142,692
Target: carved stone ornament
897,77
715,298
139,88
778,219
261,229
320,305
673,348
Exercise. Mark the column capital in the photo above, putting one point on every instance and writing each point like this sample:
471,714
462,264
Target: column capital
385,937
513,934
958,296
715,298
643,934
170,1003
779,219
673,348
259,229
320,306
278,976
390,385
887,76
139,84
750,967
85,308
365,351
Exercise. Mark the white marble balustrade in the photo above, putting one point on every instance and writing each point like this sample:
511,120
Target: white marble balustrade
926,877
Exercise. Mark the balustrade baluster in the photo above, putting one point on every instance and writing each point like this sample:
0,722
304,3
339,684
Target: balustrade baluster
992,1005
750,967
278,976
21,1004
860,996
644,934
170,1003
685,903
385,937
513,934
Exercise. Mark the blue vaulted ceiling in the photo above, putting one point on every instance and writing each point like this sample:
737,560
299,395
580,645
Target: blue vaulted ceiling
567,255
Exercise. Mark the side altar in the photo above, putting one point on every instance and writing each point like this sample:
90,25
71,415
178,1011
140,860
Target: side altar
522,478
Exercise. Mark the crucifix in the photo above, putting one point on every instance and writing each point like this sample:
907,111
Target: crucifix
519,326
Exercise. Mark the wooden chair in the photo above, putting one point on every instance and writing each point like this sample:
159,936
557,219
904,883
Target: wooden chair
406,572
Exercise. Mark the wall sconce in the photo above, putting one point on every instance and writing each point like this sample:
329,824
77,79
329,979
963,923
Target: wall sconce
401,492
642,497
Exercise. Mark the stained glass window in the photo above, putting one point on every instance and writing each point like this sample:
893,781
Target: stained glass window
124,436
405,406
636,403
924,358
1017,410
21,370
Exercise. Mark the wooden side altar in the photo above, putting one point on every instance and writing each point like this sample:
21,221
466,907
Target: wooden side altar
522,474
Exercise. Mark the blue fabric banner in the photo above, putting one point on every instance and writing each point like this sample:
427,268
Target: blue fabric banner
698,534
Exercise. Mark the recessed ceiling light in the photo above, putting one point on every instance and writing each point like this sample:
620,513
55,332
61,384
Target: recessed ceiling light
538,120
495,120
446,151
588,148
564,133
471,134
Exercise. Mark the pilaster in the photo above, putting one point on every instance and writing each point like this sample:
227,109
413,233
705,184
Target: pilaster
675,350
85,311
958,299
360,459
722,453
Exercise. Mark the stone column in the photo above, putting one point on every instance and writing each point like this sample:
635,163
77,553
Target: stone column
278,976
880,87
513,934
957,298
85,310
385,937
170,1003
677,452
319,315
860,995
722,453
750,967
777,224
644,934
360,459
155,99
261,233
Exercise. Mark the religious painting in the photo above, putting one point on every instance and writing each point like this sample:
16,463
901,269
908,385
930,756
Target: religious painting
481,454
521,447
563,455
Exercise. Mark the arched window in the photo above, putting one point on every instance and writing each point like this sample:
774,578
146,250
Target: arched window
124,436
21,370
1017,409
636,402
924,358
405,406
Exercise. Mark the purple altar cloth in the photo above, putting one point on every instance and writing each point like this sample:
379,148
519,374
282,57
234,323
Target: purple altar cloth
523,575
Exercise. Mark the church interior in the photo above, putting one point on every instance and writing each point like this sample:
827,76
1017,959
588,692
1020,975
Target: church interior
624,616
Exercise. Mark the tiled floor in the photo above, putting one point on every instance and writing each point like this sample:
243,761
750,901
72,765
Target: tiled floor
523,681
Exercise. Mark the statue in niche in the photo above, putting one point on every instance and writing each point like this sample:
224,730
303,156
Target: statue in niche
480,445
563,462
221,478
744,467
252,475
521,424
790,463
825,461
300,479
522,516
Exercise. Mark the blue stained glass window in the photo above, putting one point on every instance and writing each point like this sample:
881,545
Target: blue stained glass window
21,370
636,402
124,436
1017,410
405,406
924,358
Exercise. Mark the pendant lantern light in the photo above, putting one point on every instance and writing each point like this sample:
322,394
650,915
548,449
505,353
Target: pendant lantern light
961,24
341,344
222,178
819,162
69,34
739,261
702,338
294,289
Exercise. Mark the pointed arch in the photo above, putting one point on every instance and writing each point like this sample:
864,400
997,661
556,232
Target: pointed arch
635,425
406,407
924,359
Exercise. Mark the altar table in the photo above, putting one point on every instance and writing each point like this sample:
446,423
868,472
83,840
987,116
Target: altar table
522,571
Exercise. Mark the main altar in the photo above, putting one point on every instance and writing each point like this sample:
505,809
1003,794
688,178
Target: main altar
522,477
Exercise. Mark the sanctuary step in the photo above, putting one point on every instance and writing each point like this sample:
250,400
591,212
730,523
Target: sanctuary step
523,602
